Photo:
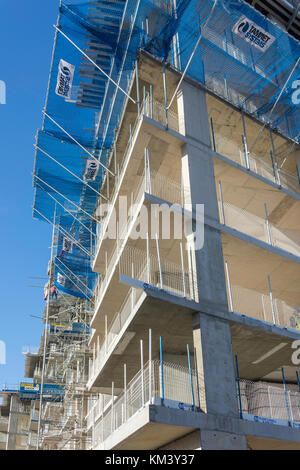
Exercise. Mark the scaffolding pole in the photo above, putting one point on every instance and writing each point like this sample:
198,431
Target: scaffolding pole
46,332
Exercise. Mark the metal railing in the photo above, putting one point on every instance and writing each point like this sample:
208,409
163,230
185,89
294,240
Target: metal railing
114,330
97,405
163,187
256,227
156,272
177,387
264,307
269,401
251,161
156,111
151,182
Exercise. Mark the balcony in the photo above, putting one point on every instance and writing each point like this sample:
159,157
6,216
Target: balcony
148,271
257,149
269,403
126,166
264,307
286,239
170,384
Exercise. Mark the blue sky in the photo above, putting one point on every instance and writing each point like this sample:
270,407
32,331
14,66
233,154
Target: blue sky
26,40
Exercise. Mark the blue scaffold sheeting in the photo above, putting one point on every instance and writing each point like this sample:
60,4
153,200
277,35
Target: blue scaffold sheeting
242,57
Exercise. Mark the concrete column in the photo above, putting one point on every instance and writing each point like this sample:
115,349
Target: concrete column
216,375
198,179
12,423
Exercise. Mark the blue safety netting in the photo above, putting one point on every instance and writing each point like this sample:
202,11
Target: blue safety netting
72,271
235,69
259,80
58,175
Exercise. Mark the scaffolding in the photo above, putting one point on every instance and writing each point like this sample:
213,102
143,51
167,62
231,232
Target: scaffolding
79,165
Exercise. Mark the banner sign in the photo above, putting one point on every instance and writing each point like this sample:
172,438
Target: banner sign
61,279
91,170
252,33
67,245
32,391
64,79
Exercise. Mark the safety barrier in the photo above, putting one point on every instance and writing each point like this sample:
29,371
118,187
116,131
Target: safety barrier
264,307
177,386
269,401
257,227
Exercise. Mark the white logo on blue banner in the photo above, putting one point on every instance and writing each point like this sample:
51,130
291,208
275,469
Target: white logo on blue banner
67,245
64,79
61,279
91,169
252,33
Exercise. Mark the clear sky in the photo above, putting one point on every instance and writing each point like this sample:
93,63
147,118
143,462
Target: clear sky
26,40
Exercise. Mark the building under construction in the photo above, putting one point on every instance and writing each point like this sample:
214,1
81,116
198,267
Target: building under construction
168,168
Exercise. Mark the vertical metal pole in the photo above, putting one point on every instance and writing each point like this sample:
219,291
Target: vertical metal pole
191,375
149,172
46,329
244,147
165,94
226,87
286,397
159,262
161,370
144,100
272,300
277,170
137,87
245,140
222,203
274,154
273,166
183,270
105,319
145,155
115,157
197,376
298,381
148,260
102,413
151,102
112,405
125,393
213,133
142,372
150,366
130,130
239,386
298,173
229,287
268,225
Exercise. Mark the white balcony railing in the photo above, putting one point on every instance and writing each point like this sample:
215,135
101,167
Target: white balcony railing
259,228
113,332
263,167
149,269
265,307
176,385
269,401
